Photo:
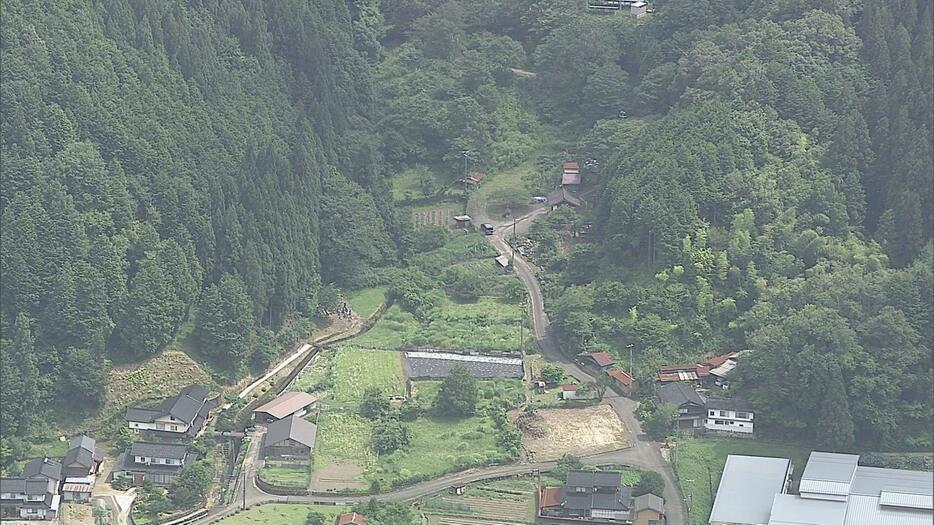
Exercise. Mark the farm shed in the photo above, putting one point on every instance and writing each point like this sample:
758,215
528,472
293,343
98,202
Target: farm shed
432,365
297,403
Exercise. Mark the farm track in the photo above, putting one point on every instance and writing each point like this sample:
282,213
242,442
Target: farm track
644,454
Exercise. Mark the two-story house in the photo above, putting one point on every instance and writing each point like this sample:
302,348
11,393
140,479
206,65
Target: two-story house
691,405
158,463
729,415
34,498
182,416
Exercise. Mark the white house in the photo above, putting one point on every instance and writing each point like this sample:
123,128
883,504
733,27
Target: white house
569,391
183,415
729,415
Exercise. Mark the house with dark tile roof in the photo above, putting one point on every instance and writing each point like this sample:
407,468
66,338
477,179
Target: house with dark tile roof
595,498
30,498
43,468
181,416
155,462
691,405
289,438
83,458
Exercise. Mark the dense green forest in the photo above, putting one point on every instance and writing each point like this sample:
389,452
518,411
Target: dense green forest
762,181
162,155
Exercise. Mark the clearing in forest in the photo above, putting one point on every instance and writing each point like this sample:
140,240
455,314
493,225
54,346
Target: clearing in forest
550,433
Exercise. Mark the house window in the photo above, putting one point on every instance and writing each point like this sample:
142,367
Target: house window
723,413
174,428
713,412
743,415
719,422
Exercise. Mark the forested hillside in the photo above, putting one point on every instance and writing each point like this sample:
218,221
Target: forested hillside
155,150
759,176
770,192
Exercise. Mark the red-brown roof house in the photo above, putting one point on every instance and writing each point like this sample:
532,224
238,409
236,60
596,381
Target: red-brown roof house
622,381
550,497
476,177
571,175
671,374
603,360
351,518
569,391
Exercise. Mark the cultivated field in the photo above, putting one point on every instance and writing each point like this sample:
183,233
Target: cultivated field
511,500
578,431
281,514
285,474
437,215
342,451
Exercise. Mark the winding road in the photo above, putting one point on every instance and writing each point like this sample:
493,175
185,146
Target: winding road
643,454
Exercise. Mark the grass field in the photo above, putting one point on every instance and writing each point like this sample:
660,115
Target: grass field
408,183
438,445
702,460
315,374
366,301
488,324
342,438
285,476
281,514
162,376
356,369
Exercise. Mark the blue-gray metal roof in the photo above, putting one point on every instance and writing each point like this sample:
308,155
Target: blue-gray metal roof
747,489
792,510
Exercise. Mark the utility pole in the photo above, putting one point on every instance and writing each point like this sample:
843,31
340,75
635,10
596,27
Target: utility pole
243,507
466,154
629,346
513,262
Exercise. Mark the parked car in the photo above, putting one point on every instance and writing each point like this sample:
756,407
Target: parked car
486,228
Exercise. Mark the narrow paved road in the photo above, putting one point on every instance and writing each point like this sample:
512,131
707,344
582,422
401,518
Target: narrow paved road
643,454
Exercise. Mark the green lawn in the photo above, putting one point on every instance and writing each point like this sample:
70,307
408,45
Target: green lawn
366,301
356,369
694,456
281,514
286,476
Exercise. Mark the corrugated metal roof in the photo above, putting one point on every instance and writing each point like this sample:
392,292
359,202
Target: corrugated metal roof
287,404
792,510
829,466
912,501
865,510
833,488
747,489
871,481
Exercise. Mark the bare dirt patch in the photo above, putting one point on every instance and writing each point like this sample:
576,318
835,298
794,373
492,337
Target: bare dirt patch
162,376
578,431
76,514
336,476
